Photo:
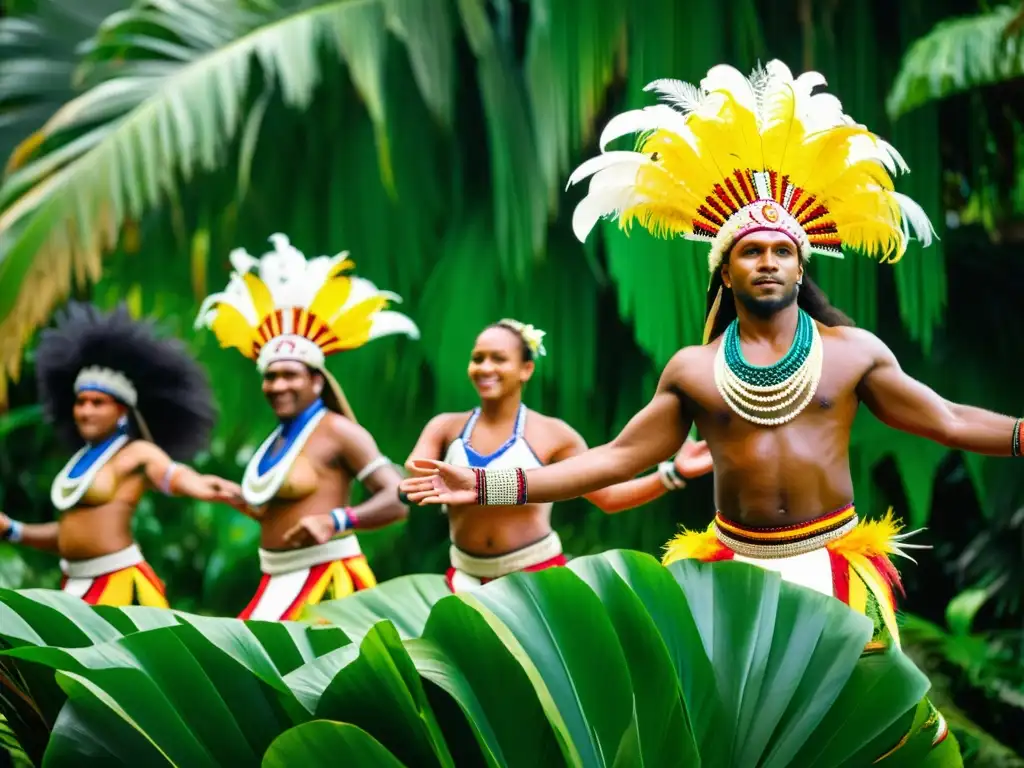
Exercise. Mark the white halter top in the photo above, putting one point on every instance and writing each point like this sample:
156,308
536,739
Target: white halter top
515,452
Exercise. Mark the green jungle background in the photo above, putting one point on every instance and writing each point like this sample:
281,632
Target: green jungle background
436,152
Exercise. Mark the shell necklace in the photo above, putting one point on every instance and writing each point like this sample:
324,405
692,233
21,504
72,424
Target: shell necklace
774,394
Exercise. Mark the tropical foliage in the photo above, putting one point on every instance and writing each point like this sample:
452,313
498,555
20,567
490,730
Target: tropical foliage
612,661
974,65
431,138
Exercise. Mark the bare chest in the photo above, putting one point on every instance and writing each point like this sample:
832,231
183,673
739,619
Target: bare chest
834,400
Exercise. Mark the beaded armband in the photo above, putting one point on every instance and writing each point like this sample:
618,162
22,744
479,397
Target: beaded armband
500,487
1015,444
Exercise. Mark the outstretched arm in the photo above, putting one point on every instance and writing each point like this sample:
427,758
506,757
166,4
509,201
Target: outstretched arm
908,405
689,462
651,436
36,535
176,479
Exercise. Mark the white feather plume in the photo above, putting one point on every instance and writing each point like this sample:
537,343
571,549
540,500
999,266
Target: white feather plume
605,160
686,97
605,202
657,116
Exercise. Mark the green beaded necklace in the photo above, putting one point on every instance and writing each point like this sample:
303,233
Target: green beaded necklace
775,374
770,395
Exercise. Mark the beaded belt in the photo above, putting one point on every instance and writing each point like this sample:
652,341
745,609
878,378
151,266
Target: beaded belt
789,540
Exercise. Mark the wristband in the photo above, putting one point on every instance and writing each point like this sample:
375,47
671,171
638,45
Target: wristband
670,476
343,519
403,498
1015,442
165,484
500,487
13,532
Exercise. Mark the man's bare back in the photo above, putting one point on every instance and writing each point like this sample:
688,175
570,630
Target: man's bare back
780,475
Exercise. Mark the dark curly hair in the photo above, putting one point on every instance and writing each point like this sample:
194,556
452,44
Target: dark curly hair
174,397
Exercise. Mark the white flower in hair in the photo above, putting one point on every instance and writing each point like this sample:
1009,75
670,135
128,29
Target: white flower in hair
534,338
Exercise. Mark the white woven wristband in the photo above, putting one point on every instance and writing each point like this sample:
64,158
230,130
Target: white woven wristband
670,477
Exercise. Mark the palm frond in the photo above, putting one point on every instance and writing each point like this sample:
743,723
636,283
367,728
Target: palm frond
37,65
573,52
170,83
960,54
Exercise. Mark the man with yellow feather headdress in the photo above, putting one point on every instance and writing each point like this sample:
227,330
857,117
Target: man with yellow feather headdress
769,173
288,314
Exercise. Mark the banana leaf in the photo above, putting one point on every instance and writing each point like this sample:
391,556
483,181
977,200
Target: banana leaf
612,661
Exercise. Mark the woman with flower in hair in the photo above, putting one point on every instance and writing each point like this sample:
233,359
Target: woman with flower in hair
501,432
134,405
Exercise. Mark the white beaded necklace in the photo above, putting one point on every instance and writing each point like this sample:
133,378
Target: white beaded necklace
774,404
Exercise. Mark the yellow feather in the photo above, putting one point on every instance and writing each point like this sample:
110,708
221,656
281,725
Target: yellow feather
261,298
878,588
870,538
659,221
353,326
340,267
233,330
330,299
692,545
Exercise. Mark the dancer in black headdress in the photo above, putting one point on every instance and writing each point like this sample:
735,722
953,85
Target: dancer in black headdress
140,404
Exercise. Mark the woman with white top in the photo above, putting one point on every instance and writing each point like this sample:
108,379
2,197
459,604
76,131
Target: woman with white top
490,542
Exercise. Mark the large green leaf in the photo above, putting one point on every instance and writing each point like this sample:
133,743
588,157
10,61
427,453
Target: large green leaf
612,661
461,654
779,662
379,691
324,742
567,634
405,602
665,733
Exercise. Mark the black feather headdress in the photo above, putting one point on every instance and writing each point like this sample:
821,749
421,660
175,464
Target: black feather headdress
173,404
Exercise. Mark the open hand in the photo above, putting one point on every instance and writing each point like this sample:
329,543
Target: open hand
434,482
224,491
316,529
693,459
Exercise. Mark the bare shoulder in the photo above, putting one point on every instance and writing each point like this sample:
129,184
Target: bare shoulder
344,429
551,426
138,451
857,339
448,426
136,454
688,364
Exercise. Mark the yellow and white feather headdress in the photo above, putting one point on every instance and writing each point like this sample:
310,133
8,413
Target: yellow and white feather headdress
736,155
285,307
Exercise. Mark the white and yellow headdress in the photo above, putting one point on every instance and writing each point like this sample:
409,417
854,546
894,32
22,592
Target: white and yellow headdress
294,309
737,155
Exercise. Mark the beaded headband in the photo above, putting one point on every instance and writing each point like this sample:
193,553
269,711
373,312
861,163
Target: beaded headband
114,383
